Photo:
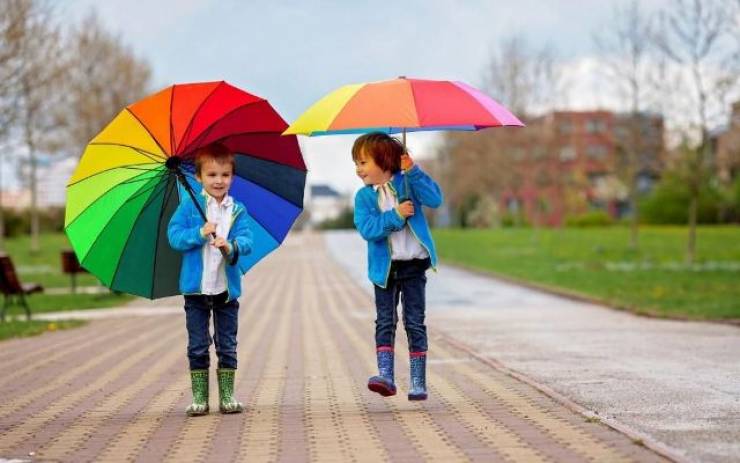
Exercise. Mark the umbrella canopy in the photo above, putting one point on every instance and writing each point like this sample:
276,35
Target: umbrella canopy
125,189
402,105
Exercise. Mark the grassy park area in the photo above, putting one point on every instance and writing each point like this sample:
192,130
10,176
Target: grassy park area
45,268
22,328
597,262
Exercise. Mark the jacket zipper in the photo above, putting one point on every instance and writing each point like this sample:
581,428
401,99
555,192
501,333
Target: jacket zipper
226,276
413,233
226,264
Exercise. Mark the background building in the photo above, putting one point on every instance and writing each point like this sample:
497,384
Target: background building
569,162
727,146
53,174
324,203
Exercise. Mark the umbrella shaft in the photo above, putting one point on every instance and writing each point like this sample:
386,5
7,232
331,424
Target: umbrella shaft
189,189
405,178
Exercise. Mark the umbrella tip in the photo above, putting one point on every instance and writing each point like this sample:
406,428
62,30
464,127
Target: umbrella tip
173,162
402,77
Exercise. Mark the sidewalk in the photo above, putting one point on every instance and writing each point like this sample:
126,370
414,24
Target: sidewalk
670,382
116,389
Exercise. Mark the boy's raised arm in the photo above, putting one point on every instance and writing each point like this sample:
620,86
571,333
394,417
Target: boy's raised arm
180,236
374,225
424,187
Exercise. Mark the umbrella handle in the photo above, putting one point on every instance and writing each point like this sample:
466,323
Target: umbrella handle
406,196
189,189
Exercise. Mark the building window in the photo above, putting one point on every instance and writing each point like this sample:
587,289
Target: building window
539,152
647,157
543,178
645,183
596,177
595,126
567,153
596,151
622,132
565,127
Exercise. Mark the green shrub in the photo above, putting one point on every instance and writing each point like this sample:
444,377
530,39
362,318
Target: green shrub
733,201
52,219
18,222
669,203
345,220
514,220
595,218
465,209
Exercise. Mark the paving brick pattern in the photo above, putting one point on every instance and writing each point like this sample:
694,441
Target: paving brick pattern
116,389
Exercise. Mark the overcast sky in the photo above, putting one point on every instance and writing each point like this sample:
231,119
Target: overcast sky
294,52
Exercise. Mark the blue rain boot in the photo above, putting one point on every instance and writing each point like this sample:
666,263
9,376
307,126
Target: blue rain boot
418,363
383,383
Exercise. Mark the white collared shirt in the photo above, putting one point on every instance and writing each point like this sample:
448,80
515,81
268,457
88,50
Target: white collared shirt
404,245
214,272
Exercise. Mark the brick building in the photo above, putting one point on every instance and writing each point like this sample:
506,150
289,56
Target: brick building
727,148
568,162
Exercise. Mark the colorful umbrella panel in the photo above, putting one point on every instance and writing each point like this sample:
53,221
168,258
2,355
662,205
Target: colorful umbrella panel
123,193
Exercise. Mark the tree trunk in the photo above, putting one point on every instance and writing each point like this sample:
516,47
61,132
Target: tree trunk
634,220
693,208
2,227
2,212
35,247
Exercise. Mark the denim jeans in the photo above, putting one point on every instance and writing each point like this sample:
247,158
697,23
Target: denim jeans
198,310
406,282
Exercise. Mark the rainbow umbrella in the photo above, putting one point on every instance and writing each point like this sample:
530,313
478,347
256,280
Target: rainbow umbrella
134,173
402,105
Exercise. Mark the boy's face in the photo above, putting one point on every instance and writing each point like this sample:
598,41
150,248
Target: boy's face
216,177
369,172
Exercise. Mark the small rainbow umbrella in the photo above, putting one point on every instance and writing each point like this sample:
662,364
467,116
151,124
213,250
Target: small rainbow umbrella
134,173
402,105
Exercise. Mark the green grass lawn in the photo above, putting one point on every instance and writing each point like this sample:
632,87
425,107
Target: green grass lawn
22,328
45,267
597,262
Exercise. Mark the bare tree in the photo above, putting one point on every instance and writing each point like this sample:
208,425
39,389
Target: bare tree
488,164
623,45
11,20
104,76
460,157
41,73
699,38
10,17
524,79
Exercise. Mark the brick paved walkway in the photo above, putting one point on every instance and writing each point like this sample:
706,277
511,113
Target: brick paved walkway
116,389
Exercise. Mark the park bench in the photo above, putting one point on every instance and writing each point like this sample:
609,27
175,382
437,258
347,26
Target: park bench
13,288
71,266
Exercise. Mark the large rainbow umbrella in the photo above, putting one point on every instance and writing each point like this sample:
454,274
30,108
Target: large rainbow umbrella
134,173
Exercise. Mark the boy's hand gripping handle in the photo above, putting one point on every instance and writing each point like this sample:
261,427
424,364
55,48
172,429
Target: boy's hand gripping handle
189,189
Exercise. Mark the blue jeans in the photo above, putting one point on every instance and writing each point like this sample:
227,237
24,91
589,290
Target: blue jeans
407,283
198,310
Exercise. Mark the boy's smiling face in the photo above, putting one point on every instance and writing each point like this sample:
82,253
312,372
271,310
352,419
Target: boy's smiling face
216,177
369,172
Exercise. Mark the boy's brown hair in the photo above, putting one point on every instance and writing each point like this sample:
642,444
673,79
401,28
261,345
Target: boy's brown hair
385,150
216,151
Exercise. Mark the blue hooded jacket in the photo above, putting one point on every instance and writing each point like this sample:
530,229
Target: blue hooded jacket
184,235
376,225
